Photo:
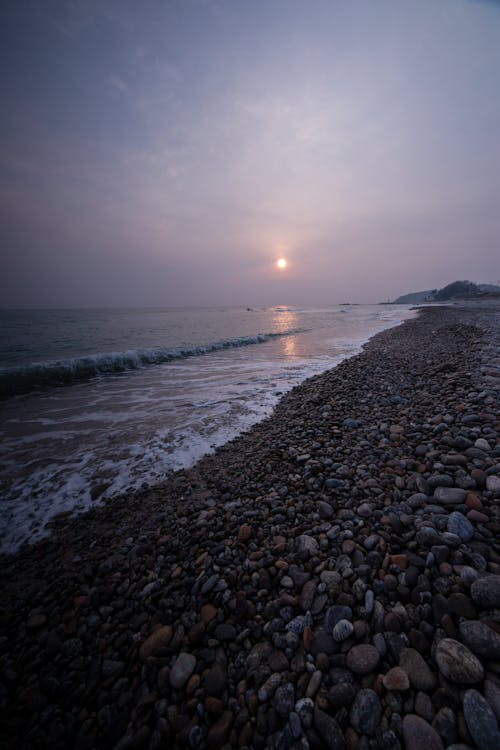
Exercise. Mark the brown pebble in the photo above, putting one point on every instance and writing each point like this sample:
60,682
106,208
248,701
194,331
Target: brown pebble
396,679
207,613
473,501
157,643
244,533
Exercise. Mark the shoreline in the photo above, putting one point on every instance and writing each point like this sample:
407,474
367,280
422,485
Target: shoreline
277,591
166,429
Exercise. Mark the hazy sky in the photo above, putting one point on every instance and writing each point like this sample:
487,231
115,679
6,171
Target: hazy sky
168,153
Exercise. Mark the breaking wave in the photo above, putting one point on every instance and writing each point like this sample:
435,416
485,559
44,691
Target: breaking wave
14,381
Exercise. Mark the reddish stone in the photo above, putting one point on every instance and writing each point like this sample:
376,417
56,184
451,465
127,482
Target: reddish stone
281,565
400,560
473,501
244,533
348,546
307,637
207,613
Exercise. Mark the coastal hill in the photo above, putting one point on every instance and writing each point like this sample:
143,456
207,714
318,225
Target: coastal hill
454,291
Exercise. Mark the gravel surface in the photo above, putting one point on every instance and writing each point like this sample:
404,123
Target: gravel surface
330,579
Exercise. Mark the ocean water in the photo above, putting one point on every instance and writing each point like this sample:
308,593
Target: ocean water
95,403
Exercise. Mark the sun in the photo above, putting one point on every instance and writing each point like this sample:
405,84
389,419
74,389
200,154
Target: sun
281,263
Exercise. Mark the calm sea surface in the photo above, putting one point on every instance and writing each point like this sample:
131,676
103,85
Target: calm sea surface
95,403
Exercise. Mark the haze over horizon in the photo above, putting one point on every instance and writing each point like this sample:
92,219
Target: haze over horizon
168,154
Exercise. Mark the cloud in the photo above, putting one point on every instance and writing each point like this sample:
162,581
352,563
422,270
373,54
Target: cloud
118,83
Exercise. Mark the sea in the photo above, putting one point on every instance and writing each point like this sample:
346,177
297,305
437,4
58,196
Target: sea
98,403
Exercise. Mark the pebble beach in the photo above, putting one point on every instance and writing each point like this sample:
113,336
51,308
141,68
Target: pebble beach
329,579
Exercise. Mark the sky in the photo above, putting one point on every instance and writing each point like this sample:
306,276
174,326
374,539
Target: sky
167,153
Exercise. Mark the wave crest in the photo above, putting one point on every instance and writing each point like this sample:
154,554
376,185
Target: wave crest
14,381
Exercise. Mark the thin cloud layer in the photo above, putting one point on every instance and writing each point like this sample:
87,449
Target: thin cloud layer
169,154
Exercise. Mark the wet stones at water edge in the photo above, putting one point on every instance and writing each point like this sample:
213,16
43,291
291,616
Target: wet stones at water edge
314,584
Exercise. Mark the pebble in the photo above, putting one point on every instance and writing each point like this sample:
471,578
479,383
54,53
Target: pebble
419,673
157,643
486,591
329,730
363,658
457,663
284,699
481,639
307,545
366,712
450,495
481,721
182,670
419,734
342,630
458,524
396,679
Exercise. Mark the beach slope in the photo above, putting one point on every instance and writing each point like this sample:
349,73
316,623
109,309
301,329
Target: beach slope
330,579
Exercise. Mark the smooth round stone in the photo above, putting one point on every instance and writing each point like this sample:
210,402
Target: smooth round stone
417,669
481,721
419,734
481,639
396,679
156,644
342,630
363,659
458,524
486,591
457,664
450,495
482,444
182,670
366,712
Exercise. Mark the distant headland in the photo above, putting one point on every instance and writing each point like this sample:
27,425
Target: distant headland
457,290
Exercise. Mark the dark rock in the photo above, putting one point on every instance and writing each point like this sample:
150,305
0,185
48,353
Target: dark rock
450,495
457,663
458,524
182,670
329,730
215,681
481,639
366,712
363,659
419,734
481,721
417,669
486,591
284,699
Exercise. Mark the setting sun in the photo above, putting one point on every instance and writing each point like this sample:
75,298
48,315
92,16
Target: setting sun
281,263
